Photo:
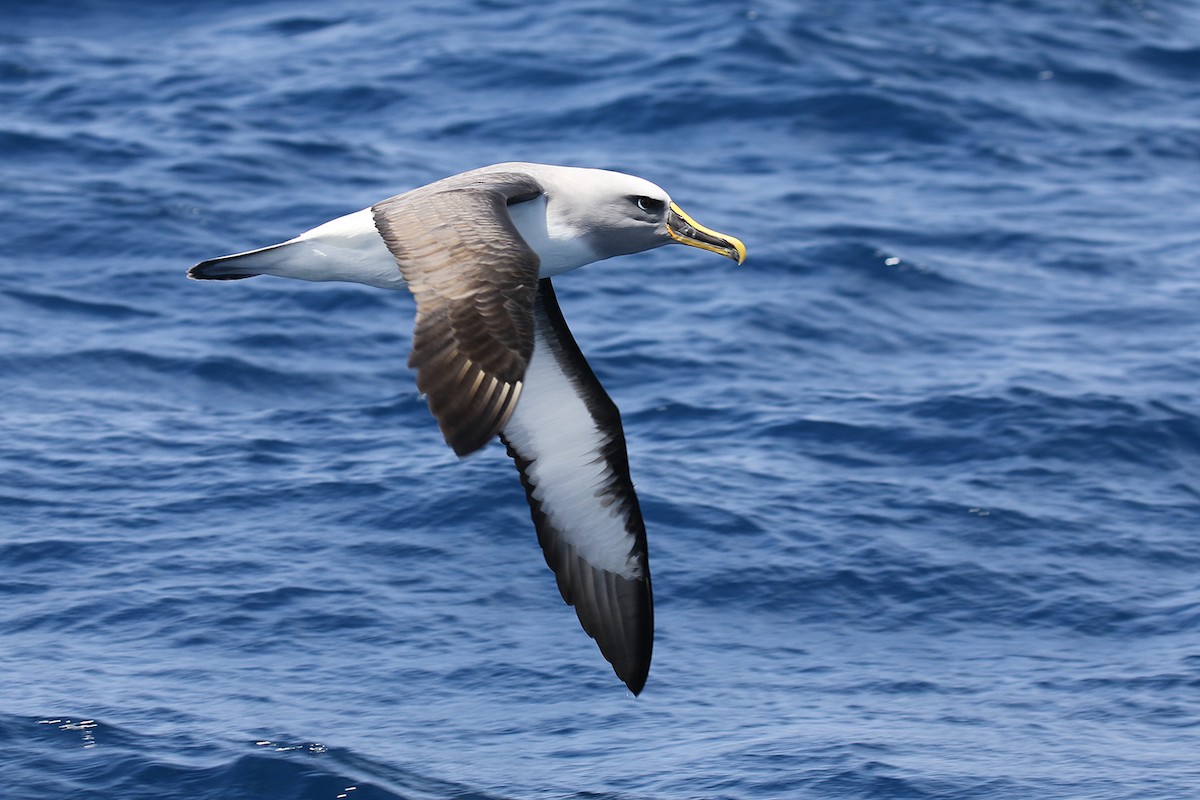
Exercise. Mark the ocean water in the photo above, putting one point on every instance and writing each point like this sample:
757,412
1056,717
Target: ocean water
921,478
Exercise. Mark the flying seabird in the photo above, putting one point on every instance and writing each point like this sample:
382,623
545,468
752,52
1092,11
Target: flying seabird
494,356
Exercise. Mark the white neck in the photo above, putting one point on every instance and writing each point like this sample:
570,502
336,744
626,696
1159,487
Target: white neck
561,248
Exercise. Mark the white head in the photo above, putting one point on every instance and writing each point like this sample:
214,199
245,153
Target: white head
616,214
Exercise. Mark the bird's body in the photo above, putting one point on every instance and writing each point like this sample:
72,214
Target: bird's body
495,357
350,248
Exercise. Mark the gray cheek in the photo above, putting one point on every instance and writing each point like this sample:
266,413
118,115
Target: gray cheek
621,242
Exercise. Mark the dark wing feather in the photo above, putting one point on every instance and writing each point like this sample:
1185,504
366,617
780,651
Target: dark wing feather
474,279
567,442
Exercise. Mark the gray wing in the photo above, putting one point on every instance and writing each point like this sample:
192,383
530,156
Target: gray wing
474,279
566,439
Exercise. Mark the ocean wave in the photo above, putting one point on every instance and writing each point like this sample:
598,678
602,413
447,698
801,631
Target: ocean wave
80,754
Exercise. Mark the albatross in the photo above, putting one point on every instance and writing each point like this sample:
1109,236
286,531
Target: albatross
494,356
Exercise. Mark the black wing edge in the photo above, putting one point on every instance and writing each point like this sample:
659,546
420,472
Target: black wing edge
615,611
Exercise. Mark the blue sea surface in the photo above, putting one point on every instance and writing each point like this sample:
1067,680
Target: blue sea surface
921,478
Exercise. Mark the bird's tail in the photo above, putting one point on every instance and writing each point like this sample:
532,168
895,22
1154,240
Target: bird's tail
238,265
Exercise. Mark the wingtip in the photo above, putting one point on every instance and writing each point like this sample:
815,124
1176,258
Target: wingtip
465,441
637,682
465,449
466,435
624,633
634,669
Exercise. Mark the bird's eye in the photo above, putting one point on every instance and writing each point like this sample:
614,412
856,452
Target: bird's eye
649,204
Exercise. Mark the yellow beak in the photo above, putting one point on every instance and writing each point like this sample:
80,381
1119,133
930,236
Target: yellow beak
686,230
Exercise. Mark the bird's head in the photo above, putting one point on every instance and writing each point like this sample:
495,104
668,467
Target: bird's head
620,214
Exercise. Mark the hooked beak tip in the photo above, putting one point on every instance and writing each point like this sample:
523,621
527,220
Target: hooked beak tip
686,230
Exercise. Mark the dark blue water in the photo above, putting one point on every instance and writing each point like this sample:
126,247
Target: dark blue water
922,478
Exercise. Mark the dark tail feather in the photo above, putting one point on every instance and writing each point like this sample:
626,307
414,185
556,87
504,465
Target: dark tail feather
231,268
